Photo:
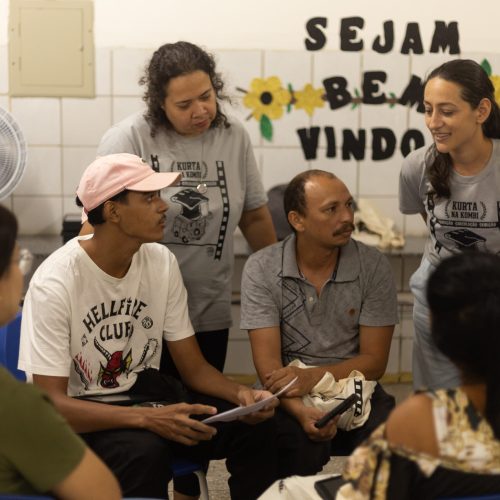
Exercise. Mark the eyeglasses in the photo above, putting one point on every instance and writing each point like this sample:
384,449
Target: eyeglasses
25,261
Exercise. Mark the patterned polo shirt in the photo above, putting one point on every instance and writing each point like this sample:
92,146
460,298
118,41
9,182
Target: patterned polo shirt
322,329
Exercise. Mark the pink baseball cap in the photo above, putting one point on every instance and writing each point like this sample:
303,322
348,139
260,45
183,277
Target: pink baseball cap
111,174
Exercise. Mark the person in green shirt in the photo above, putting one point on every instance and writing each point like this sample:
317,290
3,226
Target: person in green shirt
39,453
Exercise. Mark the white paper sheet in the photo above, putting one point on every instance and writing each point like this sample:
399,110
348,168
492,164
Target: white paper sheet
228,416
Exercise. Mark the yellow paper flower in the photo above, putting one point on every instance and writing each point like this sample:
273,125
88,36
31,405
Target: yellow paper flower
309,98
495,79
267,97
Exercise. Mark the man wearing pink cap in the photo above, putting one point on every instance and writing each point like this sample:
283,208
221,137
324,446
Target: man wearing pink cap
94,318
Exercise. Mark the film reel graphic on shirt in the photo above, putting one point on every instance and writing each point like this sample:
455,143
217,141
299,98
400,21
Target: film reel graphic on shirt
191,224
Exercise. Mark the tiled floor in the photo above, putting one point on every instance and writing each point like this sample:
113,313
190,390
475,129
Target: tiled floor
217,473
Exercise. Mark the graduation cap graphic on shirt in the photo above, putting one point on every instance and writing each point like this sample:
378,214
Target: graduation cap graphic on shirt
191,202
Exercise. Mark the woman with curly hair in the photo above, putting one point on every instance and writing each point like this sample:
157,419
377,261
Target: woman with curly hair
455,185
184,129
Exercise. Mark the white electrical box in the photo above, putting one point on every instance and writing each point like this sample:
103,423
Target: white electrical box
51,48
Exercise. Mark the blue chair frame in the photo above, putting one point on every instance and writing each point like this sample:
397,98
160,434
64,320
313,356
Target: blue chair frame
10,335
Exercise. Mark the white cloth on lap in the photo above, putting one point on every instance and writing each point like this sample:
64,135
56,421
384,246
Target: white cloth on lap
329,393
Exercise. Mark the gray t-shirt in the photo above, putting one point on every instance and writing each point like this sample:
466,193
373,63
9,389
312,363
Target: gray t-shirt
325,329
469,219
200,225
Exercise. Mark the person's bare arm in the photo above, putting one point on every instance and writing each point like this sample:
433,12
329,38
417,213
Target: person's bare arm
90,479
202,377
171,422
374,346
411,425
257,228
266,352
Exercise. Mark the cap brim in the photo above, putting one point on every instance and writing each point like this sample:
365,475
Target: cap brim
156,181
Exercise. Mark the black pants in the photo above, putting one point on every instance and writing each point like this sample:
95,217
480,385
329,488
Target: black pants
382,404
141,459
297,453
213,345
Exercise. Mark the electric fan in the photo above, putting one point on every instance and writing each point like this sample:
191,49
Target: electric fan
12,154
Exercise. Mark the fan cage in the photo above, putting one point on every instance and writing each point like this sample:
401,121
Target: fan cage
12,154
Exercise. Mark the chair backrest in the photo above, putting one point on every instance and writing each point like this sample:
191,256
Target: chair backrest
10,335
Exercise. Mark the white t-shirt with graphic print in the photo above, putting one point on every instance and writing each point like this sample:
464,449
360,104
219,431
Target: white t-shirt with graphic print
100,331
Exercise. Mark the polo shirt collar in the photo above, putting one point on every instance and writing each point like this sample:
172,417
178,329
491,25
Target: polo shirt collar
348,268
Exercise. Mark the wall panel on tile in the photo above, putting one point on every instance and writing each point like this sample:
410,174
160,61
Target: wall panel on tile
85,120
379,178
280,165
4,70
125,106
38,215
128,67
102,71
4,102
243,114
43,172
75,161
238,69
346,171
39,119
70,207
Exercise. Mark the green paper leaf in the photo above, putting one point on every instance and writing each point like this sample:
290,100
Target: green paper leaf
486,66
354,105
266,128
289,105
356,93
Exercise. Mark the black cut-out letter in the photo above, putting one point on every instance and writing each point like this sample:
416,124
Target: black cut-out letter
309,141
412,139
317,38
383,143
348,42
388,37
352,145
336,91
412,41
445,36
371,86
331,150
413,93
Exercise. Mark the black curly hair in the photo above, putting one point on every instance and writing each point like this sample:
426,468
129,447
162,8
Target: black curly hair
172,60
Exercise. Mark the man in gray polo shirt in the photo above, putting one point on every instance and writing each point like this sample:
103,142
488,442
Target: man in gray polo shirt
323,298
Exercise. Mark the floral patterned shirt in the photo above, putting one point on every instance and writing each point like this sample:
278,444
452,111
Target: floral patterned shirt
469,461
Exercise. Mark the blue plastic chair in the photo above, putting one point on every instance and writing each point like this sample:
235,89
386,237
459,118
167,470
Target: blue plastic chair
10,336
9,347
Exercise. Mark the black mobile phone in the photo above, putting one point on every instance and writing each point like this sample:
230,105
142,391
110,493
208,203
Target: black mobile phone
341,408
